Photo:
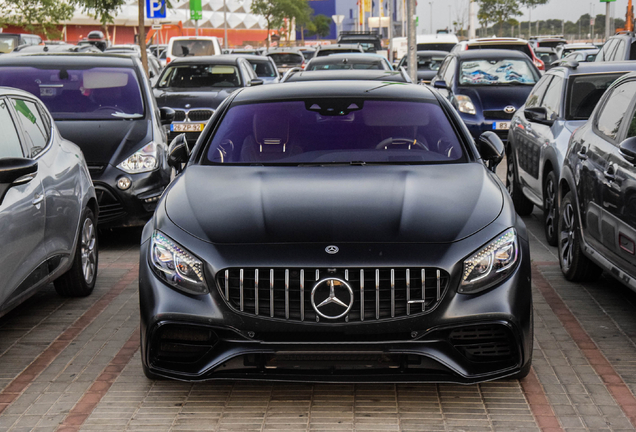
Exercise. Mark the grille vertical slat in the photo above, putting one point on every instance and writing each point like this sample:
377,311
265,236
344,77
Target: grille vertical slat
256,291
361,295
302,295
286,293
408,291
396,290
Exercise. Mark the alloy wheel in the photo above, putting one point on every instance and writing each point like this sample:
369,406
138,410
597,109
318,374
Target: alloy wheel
567,237
549,205
510,175
89,252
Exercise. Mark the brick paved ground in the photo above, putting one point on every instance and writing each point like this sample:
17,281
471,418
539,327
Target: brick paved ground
73,364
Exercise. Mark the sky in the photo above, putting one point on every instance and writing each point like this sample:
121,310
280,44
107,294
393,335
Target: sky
569,10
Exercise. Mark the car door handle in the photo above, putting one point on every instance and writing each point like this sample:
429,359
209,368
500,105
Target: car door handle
582,154
609,174
38,199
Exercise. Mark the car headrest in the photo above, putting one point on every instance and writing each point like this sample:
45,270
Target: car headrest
271,130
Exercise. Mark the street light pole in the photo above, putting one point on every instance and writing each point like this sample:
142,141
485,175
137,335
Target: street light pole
225,23
431,3
411,40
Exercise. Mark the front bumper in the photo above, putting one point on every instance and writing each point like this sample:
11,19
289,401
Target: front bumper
130,207
466,339
476,128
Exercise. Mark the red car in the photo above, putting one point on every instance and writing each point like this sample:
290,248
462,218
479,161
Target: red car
501,43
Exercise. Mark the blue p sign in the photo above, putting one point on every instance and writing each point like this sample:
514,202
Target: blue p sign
155,9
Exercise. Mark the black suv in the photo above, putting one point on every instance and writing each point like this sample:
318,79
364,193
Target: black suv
597,217
619,47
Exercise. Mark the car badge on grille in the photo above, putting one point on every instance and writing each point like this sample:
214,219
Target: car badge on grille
332,249
188,105
510,109
332,294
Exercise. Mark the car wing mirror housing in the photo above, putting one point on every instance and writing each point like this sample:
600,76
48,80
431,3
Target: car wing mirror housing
166,115
440,84
491,149
256,82
178,152
15,171
628,150
538,115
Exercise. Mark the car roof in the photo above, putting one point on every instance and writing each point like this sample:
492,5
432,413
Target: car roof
490,53
11,91
431,53
250,57
502,40
340,46
545,50
579,44
347,75
67,59
227,59
355,56
322,89
585,68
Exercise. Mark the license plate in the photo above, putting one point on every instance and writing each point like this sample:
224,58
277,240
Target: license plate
186,127
501,125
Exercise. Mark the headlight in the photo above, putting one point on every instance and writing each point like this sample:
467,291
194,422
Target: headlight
465,105
491,264
143,160
176,266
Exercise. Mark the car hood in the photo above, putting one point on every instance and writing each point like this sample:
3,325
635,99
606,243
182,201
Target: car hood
107,141
374,204
496,97
210,98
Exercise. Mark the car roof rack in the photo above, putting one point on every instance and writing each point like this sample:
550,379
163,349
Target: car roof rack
625,32
289,73
405,74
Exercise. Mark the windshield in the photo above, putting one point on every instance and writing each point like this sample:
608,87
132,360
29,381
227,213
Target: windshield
8,43
347,63
200,75
548,58
322,53
80,94
496,72
584,93
286,58
567,51
192,47
335,131
426,63
263,68
435,46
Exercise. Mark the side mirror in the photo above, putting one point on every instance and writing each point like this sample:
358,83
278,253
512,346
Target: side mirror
441,84
178,152
491,149
256,82
628,149
15,171
166,115
538,115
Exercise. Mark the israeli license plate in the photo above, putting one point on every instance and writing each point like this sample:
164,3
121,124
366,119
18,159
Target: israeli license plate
186,127
501,125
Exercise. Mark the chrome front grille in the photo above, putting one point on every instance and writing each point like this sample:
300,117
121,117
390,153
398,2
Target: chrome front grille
179,115
193,115
379,293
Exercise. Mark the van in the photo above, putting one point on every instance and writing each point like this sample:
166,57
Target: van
185,46
430,42
10,41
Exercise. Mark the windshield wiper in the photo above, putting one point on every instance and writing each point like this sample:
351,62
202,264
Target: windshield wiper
127,116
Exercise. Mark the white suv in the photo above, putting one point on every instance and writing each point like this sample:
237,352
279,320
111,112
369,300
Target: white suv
185,46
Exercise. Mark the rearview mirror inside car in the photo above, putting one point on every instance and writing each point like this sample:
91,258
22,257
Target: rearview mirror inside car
491,149
15,171
178,152
166,115
628,149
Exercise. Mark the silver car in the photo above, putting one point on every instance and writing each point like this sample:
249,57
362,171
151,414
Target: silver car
48,207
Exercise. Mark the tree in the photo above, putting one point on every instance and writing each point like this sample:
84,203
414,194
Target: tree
531,4
322,26
498,11
272,11
102,10
35,15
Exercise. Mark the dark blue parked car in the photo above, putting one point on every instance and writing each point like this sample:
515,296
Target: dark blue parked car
487,87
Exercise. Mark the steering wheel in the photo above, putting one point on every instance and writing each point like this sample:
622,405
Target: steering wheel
225,149
445,147
410,141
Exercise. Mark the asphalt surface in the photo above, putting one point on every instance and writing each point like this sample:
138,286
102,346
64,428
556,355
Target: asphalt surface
73,364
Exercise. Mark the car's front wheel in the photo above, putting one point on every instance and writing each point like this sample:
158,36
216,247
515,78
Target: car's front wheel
79,280
523,205
574,265
550,210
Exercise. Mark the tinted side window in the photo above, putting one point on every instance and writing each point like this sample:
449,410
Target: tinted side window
449,74
10,143
606,50
536,97
611,116
553,96
632,51
619,54
35,129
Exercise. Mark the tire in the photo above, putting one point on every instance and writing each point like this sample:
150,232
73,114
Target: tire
79,280
550,210
523,205
575,266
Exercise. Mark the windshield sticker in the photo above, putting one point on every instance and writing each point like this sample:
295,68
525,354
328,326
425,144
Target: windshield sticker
23,109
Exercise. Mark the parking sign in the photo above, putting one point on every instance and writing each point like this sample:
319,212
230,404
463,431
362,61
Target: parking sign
155,9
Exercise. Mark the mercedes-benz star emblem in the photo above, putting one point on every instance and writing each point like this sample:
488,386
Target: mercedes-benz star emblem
510,109
332,249
332,298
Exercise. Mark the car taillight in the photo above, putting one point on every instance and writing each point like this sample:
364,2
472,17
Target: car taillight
168,60
539,64
302,65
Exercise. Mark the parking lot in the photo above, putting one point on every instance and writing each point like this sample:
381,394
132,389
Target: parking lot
73,364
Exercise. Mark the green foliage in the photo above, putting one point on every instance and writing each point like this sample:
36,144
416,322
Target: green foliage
532,3
321,26
276,11
36,16
498,11
102,10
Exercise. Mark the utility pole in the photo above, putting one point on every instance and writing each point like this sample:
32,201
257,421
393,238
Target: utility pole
225,23
607,20
529,22
390,32
431,4
411,40
142,35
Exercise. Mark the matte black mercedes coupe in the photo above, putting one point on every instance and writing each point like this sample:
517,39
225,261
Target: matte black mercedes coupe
336,231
